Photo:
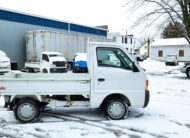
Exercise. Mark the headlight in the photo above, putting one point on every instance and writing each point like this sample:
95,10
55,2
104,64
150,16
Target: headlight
76,64
53,65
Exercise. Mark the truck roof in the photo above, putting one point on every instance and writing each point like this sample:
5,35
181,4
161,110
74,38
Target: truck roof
49,53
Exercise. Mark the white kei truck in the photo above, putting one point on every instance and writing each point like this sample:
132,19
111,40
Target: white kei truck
110,86
50,62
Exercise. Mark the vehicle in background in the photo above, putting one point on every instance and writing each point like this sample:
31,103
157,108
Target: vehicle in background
38,41
108,86
138,57
80,62
50,62
186,69
5,64
171,60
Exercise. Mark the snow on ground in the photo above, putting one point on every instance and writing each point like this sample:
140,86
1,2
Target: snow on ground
167,115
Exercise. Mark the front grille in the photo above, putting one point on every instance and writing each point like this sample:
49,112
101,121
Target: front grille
59,63
58,70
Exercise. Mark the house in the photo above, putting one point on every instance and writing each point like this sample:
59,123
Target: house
145,49
127,41
160,48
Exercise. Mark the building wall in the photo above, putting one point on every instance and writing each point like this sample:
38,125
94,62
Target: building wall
13,41
13,28
144,50
170,50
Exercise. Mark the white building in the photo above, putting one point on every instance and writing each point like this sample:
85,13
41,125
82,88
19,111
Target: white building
127,41
160,48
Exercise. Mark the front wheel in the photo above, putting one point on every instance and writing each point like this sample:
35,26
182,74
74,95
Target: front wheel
26,111
188,72
116,109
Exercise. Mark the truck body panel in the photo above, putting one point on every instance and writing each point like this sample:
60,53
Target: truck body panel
68,44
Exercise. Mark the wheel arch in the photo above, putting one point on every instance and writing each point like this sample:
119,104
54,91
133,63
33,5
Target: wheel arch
115,95
16,98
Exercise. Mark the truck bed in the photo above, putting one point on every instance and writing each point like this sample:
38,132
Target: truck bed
32,65
45,84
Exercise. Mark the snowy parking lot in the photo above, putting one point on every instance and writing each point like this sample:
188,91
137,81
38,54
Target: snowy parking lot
167,115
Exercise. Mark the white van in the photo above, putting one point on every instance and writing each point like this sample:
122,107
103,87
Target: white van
5,64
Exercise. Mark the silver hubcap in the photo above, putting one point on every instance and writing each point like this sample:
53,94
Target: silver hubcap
116,110
26,111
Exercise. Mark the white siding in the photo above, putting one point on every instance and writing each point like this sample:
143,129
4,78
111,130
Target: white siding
170,50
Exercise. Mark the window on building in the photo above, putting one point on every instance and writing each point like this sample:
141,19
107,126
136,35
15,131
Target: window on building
145,47
181,53
160,53
127,49
126,40
131,40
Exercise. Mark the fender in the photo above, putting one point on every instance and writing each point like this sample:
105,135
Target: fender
36,97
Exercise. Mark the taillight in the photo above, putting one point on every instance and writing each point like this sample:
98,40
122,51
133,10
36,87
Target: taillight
2,88
147,83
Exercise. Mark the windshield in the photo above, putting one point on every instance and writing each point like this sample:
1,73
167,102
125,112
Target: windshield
55,55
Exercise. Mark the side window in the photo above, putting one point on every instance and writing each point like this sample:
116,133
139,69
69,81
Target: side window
45,57
112,57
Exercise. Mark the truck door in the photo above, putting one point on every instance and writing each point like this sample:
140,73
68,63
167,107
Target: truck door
113,73
44,64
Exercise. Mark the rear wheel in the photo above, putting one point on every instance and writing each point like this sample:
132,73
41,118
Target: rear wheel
26,111
116,109
188,72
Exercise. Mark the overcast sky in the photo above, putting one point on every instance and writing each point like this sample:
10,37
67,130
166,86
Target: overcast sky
86,12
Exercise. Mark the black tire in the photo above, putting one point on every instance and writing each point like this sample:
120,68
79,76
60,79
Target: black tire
188,72
45,71
26,106
74,70
166,63
69,67
119,105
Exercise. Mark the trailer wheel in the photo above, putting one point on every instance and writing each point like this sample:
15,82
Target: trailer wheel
26,111
188,72
45,71
116,109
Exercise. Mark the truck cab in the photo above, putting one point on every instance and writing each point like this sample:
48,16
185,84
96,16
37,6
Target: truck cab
50,62
80,62
53,62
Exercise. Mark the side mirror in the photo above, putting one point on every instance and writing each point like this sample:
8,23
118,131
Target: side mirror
135,69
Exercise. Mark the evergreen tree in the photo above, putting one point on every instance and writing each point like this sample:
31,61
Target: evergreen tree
173,31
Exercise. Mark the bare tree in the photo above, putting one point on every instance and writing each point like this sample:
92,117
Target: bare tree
165,11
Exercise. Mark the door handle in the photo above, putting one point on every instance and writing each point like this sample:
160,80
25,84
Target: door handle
101,79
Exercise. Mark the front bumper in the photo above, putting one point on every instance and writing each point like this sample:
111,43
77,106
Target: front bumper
58,70
147,98
183,70
81,69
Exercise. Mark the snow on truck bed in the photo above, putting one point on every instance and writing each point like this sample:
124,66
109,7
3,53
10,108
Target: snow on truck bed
167,115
